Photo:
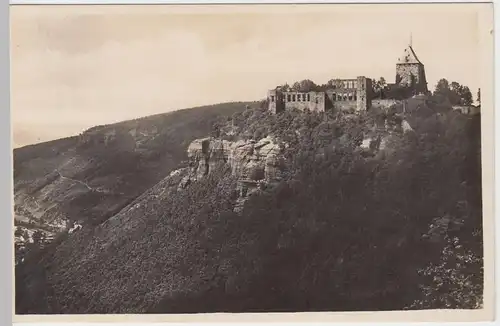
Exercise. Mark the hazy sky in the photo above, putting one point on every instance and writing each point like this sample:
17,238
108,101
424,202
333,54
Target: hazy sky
73,67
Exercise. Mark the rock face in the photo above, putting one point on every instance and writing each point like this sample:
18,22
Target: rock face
254,163
205,153
249,160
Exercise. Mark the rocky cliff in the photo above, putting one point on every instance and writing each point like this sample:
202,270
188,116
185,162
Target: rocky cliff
254,163
329,209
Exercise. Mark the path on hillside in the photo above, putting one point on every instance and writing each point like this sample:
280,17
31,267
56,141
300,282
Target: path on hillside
86,185
83,184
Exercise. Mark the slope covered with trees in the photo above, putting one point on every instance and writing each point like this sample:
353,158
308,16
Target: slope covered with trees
343,230
90,177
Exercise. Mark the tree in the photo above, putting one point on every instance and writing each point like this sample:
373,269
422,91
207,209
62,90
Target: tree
285,87
454,280
19,232
479,96
305,85
397,92
461,94
379,87
335,83
442,87
330,83
455,87
38,237
382,83
465,95
456,93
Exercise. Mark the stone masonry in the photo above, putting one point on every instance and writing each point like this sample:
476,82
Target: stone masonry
350,94
410,71
346,94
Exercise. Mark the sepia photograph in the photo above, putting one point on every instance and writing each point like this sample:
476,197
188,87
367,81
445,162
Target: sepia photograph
201,159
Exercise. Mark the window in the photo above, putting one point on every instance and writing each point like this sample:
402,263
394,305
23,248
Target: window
272,98
298,97
289,98
293,98
308,97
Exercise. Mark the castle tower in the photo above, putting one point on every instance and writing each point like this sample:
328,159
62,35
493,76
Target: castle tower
363,93
275,100
410,71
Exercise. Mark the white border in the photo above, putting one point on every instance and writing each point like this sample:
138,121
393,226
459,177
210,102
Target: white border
107,2
5,137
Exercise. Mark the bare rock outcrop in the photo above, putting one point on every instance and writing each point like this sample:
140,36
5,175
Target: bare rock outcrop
249,160
254,163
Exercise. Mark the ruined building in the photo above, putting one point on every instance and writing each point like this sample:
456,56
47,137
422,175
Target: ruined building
344,94
350,94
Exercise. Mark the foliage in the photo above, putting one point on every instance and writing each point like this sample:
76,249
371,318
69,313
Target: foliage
455,93
125,158
454,281
18,232
305,85
397,92
38,237
334,234
379,88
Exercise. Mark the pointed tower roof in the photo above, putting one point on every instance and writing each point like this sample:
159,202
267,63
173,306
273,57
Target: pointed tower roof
409,56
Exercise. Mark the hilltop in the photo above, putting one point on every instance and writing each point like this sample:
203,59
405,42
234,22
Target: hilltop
90,177
337,202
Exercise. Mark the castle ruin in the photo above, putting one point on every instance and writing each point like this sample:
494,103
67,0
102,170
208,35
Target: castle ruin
350,94
344,94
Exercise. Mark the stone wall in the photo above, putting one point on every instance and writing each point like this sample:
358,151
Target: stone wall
345,84
364,93
314,101
467,109
275,100
345,105
344,94
408,71
384,103
337,95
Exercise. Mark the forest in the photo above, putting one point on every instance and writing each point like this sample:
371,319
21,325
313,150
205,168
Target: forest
342,231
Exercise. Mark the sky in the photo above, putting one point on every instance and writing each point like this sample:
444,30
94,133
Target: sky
74,67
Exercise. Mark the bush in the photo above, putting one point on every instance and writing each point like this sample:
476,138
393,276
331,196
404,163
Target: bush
334,234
